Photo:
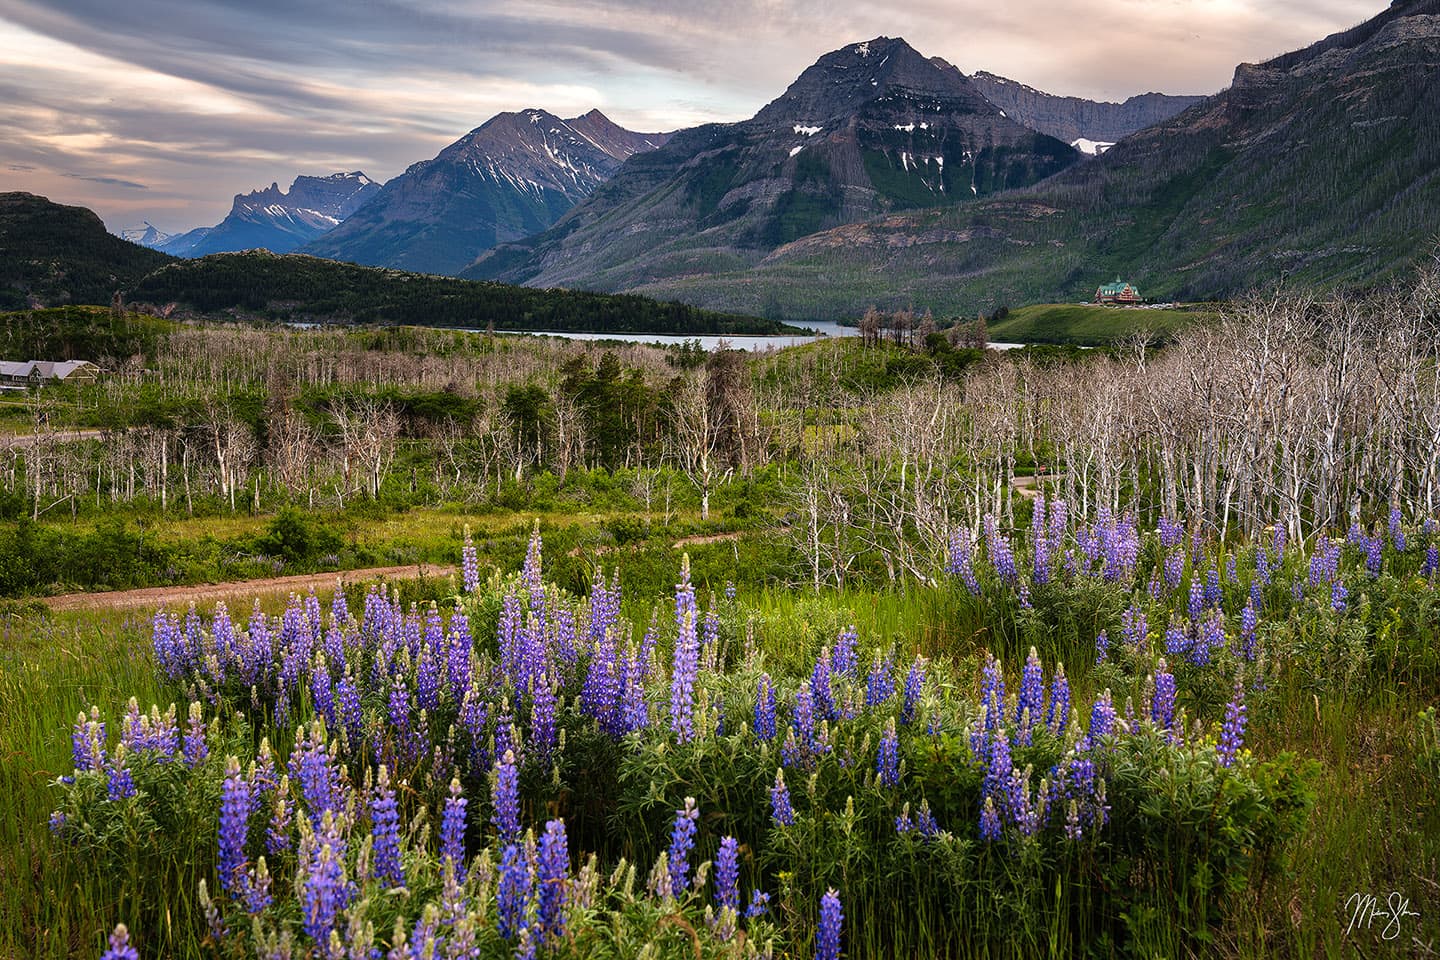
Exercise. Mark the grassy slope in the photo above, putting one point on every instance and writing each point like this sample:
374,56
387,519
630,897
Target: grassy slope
1088,324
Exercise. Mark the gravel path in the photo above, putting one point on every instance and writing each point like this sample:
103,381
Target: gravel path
209,592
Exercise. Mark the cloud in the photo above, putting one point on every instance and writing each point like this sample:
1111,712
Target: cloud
209,98
108,181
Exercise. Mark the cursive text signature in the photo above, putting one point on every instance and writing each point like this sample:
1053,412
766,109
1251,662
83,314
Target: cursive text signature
1366,908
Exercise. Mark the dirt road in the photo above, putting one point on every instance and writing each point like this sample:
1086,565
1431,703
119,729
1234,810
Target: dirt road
182,597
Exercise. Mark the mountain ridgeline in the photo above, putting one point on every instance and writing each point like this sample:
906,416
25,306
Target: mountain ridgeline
510,178
867,130
276,220
1076,120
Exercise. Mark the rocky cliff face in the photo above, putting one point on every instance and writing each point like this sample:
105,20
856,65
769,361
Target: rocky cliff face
510,178
1074,118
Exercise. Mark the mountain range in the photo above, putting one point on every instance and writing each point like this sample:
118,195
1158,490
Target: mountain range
1321,165
507,179
883,176
868,130
279,221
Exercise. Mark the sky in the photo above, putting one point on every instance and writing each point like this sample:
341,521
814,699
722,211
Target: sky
162,110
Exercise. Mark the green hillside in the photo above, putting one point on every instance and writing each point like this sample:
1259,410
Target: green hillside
52,255
295,288
1092,325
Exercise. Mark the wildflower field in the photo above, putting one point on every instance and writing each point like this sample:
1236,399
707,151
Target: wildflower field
1078,738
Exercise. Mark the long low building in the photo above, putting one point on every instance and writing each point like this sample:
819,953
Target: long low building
21,374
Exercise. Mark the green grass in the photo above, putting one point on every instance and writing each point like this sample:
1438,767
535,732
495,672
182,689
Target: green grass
1091,325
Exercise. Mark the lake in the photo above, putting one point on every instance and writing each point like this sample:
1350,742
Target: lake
823,330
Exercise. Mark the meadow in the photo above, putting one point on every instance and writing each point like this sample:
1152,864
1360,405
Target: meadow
859,650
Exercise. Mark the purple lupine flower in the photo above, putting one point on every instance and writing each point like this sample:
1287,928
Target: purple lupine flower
887,759
827,933
514,892
234,826
1374,556
925,820
1338,596
1177,640
1057,714
999,768
452,830
1231,574
385,829
635,712
327,892
960,559
1432,561
1162,705
399,712
912,691
1397,532
565,646
1102,647
1249,623
544,732
505,798
682,839
459,644
1133,625
257,889
120,948
806,741
1031,697
1174,568
1232,731
992,707
120,783
727,874
989,821
552,875
427,680
1213,593
1262,566
601,690
820,692
194,747
508,631
1041,544
759,904
311,769
682,677
469,564
1023,813
348,710
1197,599
531,575
880,683
475,717
844,660
710,628
765,708
87,742
1102,717
1172,532
1002,557
780,809
277,833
